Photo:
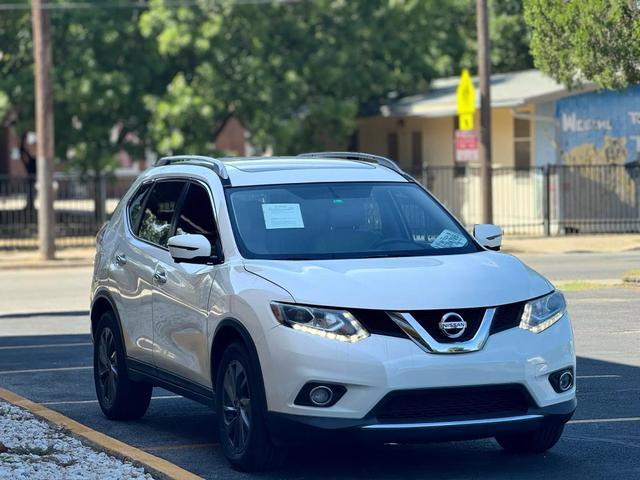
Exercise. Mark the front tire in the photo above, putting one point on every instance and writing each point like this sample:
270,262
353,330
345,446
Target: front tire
241,413
536,441
119,397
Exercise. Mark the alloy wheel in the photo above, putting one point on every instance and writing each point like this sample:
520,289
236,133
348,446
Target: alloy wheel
107,366
236,406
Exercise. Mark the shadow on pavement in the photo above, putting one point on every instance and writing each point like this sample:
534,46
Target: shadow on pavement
183,431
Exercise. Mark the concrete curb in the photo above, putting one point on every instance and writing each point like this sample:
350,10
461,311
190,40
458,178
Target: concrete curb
62,313
29,265
632,279
156,466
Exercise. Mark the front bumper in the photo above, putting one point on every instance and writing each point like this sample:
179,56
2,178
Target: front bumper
372,368
295,428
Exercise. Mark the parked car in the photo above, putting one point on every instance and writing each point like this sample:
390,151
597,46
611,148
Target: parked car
327,295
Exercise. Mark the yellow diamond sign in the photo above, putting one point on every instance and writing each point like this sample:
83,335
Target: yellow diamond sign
466,100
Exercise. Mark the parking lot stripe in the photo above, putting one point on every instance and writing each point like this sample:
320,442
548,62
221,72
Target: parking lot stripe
154,465
80,402
607,420
47,345
42,370
598,376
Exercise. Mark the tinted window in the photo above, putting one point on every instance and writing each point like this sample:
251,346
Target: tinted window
135,206
196,215
343,220
158,212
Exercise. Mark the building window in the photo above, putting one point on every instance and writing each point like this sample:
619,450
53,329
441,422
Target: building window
392,146
522,143
416,151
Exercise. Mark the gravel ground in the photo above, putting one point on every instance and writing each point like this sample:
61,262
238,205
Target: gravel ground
39,450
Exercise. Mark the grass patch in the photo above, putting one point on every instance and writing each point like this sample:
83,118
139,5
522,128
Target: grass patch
581,285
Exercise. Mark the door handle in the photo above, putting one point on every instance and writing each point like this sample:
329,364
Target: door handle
160,276
121,259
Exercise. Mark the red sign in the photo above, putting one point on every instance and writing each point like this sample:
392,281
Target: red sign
467,145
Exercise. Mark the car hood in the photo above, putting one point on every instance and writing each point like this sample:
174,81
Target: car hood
407,283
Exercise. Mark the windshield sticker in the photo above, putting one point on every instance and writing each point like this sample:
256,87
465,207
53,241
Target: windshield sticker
449,239
282,215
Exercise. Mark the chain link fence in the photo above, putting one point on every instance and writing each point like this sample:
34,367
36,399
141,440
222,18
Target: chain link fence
552,200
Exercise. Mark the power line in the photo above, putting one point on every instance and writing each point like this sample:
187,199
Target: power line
142,4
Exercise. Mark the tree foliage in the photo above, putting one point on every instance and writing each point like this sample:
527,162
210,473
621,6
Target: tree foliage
297,74
102,69
586,40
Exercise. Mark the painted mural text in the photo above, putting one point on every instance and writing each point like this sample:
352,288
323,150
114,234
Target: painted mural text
572,123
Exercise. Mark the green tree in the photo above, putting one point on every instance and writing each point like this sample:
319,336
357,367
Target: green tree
103,67
510,36
586,40
297,74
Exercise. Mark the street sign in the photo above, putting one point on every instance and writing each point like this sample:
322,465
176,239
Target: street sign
467,143
466,101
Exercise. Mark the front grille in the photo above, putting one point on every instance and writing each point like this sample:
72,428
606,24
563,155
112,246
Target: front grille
378,322
429,320
442,404
507,316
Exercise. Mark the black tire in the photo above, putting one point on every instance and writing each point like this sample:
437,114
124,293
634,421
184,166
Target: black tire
536,441
241,414
120,398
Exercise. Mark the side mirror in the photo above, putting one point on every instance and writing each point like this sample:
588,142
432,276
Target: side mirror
488,235
190,248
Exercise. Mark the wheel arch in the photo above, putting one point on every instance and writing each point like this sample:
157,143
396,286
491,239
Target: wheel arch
227,332
103,302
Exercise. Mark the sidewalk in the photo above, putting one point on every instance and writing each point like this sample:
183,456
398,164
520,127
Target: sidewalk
67,257
606,243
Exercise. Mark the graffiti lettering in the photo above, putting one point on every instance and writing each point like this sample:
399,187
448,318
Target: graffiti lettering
571,123
635,117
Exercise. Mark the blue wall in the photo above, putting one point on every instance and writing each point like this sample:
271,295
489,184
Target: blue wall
599,127
545,134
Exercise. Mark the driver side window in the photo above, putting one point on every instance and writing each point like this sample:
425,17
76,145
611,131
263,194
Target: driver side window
196,215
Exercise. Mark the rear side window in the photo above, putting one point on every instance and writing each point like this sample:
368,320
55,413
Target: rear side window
135,206
196,215
159,209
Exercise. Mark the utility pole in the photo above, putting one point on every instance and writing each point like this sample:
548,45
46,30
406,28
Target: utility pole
44,128
484,75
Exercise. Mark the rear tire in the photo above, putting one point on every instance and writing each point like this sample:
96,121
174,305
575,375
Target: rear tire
536,441
119,397
241,414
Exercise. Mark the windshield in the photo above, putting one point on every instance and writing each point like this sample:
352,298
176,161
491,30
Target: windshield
342,220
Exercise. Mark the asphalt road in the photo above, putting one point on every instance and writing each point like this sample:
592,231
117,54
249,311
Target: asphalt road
601,442
583,266
56,290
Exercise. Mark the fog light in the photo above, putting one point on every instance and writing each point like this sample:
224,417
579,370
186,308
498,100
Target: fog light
562,380
565,382
321,395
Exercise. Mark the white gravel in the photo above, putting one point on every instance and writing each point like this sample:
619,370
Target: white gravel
39,450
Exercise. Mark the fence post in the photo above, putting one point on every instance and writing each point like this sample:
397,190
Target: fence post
547,200
101,199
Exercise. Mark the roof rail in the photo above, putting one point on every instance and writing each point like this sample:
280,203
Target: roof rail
200,160
363,157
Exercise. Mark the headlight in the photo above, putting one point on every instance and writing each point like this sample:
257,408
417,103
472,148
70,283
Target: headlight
541,313
334,324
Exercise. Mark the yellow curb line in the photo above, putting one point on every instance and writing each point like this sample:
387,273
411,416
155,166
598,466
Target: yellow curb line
154,465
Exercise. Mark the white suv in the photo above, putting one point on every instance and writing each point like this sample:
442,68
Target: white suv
325,294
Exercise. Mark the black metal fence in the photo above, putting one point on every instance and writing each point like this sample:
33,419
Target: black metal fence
81,205
552,200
